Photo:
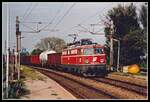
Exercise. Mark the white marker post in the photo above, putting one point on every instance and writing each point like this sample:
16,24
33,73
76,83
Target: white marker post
7,53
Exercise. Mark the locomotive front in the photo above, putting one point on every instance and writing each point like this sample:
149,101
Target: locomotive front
87,59
94,61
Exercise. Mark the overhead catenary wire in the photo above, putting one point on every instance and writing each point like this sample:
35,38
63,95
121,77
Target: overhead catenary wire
81,22
26,11
35,22
28,27
52,20
64,15
30,11
90,18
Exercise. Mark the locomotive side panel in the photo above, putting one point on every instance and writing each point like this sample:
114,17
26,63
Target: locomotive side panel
80,60
64,60
72,59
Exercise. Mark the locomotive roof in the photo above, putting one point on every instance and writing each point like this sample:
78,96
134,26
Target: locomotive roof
84,46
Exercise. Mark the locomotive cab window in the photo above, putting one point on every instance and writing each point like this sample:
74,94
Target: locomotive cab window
88,51
79,52
69,52
74,51
98,51
64,53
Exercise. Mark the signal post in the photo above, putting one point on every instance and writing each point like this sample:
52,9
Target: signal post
18,36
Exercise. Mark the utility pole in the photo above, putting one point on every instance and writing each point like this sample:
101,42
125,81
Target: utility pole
13,69
5,50
18,35
111,44
118,53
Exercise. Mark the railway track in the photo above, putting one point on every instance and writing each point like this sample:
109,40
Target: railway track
96,88
126,85
77,88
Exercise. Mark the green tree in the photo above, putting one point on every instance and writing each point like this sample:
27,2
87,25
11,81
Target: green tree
36,51
125,19
134,45
128,31
51,43
143,17
24,52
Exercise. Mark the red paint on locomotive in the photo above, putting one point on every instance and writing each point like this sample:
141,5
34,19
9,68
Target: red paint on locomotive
84,55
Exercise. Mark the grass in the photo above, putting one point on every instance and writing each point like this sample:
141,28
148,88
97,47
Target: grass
28,72
17,89
128,74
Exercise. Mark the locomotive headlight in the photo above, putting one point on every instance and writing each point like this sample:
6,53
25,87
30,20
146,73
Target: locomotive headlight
101,60
86,61
94,59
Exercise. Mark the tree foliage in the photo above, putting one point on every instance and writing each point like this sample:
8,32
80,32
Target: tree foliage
143,16
36,51
51,43
127,30
125,19
24,52
143,19
134,45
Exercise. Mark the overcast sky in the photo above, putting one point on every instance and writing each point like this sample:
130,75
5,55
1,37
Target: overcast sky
85,13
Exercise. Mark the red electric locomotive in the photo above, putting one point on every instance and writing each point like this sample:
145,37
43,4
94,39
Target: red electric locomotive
84,58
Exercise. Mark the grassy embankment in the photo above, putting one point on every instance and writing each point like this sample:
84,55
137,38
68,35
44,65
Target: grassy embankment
18,87
29,73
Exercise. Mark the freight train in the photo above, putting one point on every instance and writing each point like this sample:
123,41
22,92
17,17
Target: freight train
82,57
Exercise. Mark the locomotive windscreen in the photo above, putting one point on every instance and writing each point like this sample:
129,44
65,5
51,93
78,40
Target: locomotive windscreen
90,51
86,42
98,51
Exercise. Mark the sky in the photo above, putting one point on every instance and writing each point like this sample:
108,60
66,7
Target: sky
65,17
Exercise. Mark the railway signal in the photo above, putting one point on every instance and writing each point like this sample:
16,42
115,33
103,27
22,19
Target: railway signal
18,41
